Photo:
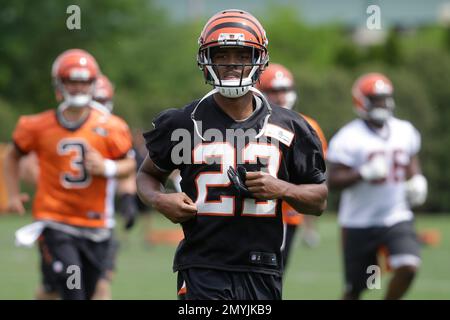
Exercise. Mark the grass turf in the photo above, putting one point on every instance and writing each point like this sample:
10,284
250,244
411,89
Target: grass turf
144,271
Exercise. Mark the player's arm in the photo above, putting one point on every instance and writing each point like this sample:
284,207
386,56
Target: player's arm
416,185
125,167
128,207
306,190
177,207
127,184
97,165
341,176
29,169
413,168
305,198
12,179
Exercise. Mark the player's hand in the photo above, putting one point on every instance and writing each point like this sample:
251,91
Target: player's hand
129,209
177,207
264,186
374,169
94,162
310,237
237,178
15,203
416,190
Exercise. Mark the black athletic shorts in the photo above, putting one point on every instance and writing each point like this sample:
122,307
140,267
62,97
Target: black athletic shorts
111,256
48,280
211,284
62,255
361,246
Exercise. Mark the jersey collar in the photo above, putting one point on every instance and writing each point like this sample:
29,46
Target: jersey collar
71,126
382,133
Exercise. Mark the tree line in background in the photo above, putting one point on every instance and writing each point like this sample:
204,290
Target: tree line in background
152,62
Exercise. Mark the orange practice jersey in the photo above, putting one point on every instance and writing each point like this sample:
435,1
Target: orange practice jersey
66,192
290,216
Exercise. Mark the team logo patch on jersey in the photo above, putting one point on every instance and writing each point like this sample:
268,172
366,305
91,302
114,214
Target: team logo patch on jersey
94,215
276,132
100,131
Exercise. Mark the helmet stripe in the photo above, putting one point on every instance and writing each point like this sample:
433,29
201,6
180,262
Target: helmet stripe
233,25
239,17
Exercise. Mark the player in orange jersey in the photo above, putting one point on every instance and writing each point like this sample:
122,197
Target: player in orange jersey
277,83
126,189
81,150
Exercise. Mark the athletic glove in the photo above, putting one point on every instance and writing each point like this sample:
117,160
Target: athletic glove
237,178
416,190
374,169
128,209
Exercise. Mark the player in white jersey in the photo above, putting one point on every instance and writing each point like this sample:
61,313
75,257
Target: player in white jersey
373,159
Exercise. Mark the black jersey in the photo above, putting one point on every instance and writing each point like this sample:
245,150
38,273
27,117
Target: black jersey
230,232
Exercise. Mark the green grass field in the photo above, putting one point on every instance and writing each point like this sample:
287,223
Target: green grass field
144,272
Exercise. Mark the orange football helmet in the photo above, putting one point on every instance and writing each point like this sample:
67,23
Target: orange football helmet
278,84
74,65
104,92
373,97
233,28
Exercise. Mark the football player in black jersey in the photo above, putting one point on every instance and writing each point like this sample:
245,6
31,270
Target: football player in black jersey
238,158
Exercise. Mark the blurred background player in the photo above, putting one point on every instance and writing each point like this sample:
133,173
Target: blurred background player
80,151
126,189
130,204
277,83
373,159
140,152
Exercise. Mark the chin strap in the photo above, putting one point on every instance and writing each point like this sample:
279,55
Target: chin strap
269,109
215,90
